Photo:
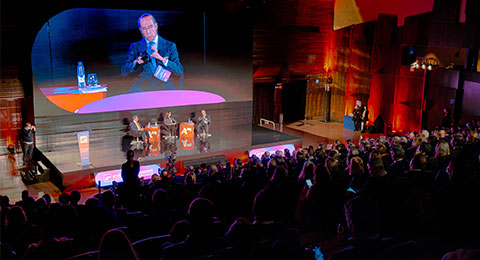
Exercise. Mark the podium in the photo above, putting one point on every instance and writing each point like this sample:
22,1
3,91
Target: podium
154,132
187,130
186,135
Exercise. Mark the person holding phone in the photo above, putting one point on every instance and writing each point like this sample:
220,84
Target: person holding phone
150,55
28,133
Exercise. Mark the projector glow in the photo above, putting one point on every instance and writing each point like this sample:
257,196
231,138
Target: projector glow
106,178
258,152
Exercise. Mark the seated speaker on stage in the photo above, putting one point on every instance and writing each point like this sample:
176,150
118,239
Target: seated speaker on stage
170,124
203,122
137,130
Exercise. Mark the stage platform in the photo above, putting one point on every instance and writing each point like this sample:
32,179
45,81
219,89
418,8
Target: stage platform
108,147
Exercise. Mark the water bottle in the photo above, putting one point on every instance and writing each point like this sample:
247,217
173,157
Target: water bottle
81,75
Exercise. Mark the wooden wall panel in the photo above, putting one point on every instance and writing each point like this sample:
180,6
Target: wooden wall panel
293,35
315,100
353,47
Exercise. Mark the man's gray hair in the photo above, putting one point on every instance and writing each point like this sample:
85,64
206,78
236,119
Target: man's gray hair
145,15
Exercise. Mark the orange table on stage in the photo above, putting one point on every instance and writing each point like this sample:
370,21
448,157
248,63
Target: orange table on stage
186,129
154,131
71,98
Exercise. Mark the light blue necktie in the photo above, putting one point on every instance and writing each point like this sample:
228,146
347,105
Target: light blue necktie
152,59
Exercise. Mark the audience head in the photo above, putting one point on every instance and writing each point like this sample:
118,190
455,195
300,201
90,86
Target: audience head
5,202
321,177
442,149
376,167
92,203
264,206
130,155
155,177
280,176
64,198
418,162
300,157
442,133
25,195
108,199
75,197
15,217
116,245
356,167
190,178
179,231
47,198
160,198
332,166
333,153
362,217
307,172
425,133
41,205
397,152
212,170
426,148
200,215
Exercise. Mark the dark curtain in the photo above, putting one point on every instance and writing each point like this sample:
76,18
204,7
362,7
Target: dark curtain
293,100
263,106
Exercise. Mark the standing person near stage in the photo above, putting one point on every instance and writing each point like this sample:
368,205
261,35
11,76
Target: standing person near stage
357,117
364,116
28,135
203,121
446,119
131,183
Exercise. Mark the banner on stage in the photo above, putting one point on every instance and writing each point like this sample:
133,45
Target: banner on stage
84,147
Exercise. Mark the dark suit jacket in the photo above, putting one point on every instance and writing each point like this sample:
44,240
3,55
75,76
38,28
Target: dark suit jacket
165,49
134,128
130,175
201,121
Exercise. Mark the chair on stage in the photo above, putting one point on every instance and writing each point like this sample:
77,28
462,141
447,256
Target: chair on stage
137,142
202,131
166,131
138,137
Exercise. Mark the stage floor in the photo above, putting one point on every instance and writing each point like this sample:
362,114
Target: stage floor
107,147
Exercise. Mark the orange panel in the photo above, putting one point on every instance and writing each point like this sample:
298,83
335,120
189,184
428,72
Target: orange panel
186,142
154,132
186,130
73,102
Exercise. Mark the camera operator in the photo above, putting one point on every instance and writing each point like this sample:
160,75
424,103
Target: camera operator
28,145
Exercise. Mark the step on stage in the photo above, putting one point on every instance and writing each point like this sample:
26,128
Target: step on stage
109,139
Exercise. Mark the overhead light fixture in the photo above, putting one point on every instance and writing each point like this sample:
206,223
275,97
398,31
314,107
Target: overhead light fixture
424,63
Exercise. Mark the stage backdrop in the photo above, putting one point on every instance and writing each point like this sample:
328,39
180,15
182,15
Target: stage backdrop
216,57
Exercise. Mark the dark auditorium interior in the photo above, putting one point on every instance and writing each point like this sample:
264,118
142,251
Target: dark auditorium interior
353,133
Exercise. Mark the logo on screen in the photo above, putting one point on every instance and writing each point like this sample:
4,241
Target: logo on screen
83,139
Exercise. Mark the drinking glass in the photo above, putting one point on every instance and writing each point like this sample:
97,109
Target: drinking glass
92,80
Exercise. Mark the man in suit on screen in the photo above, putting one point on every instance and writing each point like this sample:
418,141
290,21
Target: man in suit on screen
153,59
